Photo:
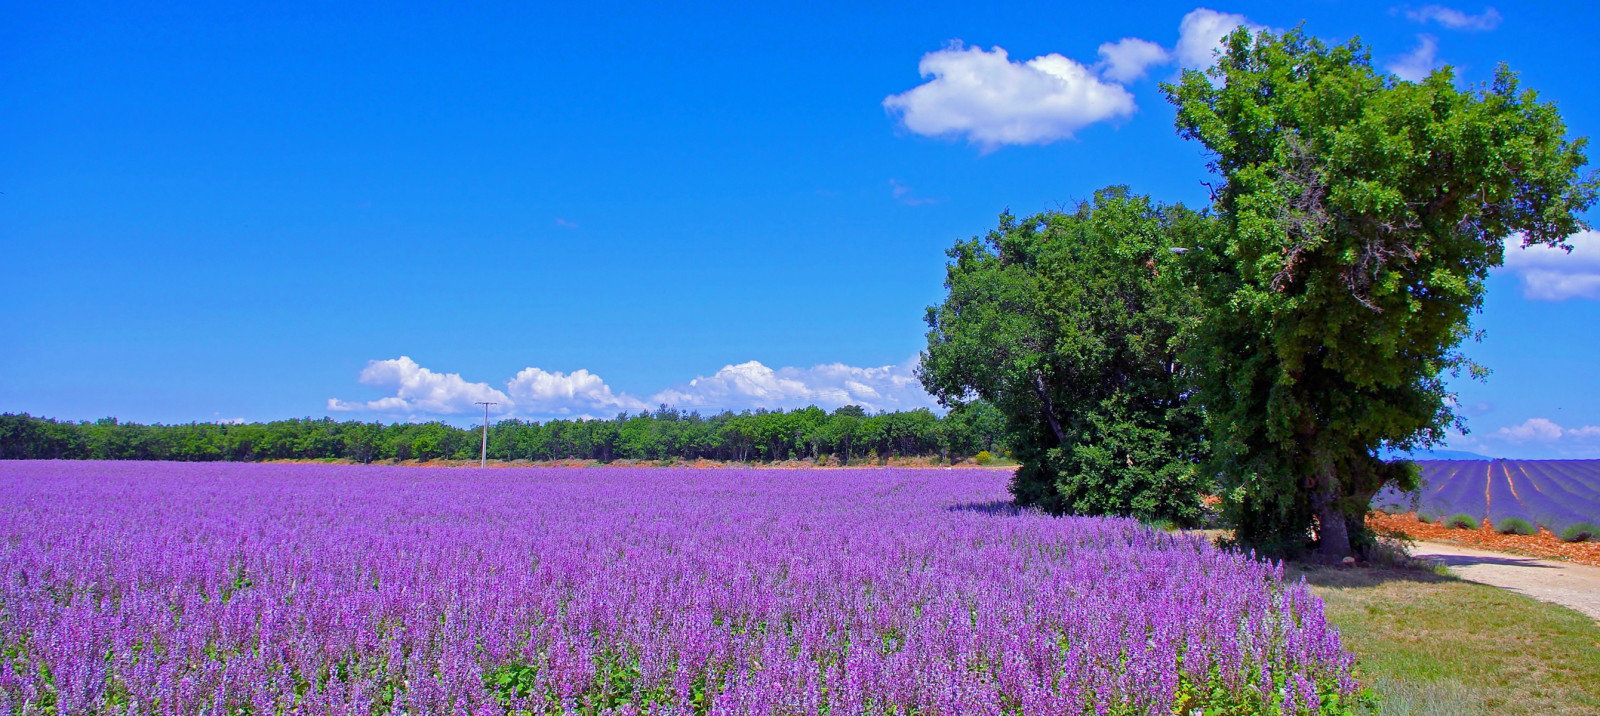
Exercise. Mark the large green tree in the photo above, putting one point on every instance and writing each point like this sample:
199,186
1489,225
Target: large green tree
1361,215
1066,323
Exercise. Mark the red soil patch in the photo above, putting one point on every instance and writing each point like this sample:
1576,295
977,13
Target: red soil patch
1545,544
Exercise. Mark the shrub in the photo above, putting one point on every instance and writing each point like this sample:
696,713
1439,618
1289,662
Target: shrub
1462,520
1516,525
1580,532
983,457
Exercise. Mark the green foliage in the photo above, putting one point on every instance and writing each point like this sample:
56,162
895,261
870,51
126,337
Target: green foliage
1462,521
1067,324
1361,215
983,457
512,681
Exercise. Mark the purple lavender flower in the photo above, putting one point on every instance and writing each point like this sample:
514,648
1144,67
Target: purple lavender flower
189,588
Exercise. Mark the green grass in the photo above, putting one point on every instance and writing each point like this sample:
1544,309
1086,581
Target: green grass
1432,644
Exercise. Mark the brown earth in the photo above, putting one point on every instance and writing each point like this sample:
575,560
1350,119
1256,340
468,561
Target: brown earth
1545,544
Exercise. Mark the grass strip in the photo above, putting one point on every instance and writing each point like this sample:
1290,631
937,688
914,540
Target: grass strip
1432,644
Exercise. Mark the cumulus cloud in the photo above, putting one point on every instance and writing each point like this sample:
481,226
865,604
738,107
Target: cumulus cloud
1542,430
419,390
540,392
535,392
1532,430
1455,19
984,96
1129,59
1551,274
1416,65
1201,33
754,385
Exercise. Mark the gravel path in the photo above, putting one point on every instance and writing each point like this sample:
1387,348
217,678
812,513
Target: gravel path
1571,585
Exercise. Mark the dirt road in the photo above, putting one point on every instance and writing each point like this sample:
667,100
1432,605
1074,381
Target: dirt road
1575,586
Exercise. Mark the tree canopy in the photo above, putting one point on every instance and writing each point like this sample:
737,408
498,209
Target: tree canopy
1360,216
1067,324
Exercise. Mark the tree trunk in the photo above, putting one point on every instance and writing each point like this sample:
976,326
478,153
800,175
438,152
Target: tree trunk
1333,532
1049,409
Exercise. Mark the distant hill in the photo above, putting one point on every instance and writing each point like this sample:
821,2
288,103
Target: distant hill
1437,455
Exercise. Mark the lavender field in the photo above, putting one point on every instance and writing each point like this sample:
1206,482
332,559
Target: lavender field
1514,496
263,589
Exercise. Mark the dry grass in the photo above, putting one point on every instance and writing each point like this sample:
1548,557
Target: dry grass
1432,644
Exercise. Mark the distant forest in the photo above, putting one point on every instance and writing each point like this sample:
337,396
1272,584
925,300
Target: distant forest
846,434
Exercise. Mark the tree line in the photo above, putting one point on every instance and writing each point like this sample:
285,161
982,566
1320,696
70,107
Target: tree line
845,435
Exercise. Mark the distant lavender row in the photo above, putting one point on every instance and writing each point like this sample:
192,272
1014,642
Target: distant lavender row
1562,496
226,588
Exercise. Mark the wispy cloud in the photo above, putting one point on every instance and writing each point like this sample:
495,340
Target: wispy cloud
1454,19
1416,65
563,223
905,195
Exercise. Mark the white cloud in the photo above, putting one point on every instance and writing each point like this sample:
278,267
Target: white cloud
1552,274
992,101
1416,65
1201,34
1541,431
1532,430
1533,439
534,392
753,385
540,392
1127,60
419,390
1455,19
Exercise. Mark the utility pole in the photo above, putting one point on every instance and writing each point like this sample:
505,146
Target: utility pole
483,457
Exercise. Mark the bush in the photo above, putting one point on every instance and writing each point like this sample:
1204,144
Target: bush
983,457
1580,532
1463,521
1516,525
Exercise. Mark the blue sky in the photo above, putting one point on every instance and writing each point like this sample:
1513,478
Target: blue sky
389,211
